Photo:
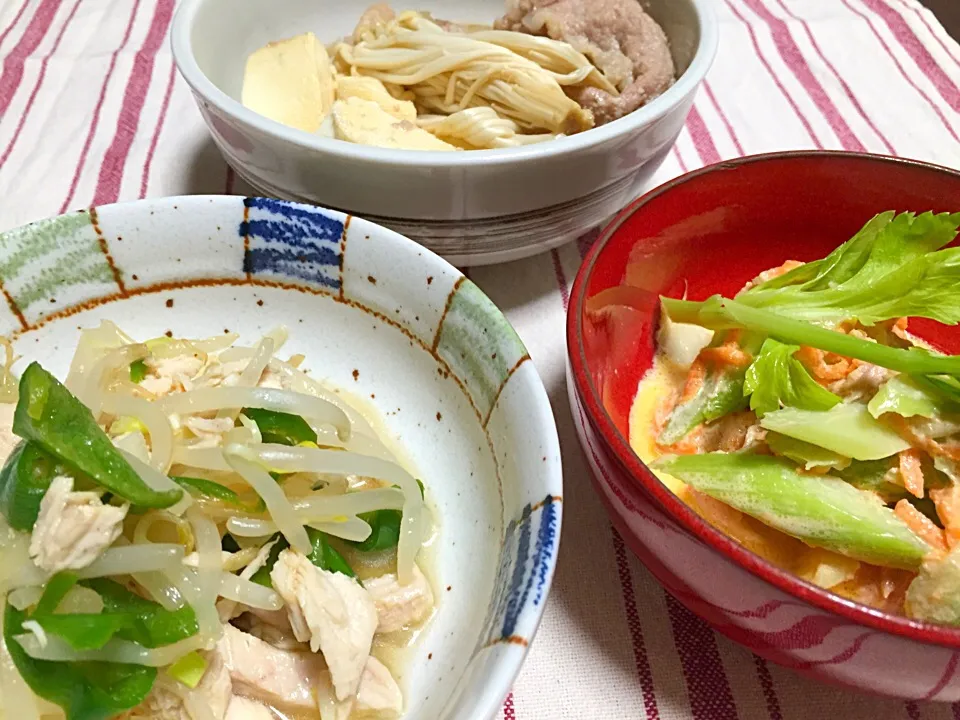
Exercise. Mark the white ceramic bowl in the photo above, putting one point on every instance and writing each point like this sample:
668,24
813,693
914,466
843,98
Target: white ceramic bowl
376,315
472,207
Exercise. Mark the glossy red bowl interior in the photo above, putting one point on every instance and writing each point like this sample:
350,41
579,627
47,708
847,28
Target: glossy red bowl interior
709,232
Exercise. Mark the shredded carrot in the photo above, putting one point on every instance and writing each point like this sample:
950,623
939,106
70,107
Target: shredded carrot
900,328
773,273
690,445
922,442
947,502
816,362
922,526
727,354
911,473
698,371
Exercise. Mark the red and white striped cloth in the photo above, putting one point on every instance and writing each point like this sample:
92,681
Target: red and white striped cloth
92,111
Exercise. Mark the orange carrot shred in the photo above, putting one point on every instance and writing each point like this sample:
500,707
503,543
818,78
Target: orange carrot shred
921,525
931,446
911,472
947,502
698,371
727,354
900,328
816,362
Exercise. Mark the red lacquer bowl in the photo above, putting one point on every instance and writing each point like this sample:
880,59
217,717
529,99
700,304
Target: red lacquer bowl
709,232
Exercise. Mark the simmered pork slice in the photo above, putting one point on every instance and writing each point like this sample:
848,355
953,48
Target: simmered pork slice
399,606
73,528
379,692
333,612
618,36
242,708
277,677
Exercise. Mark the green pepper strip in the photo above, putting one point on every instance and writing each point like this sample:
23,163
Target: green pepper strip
124,614
281,428
138,371
24,480
54,593
323,555
85,690
51,416
384,529
211,489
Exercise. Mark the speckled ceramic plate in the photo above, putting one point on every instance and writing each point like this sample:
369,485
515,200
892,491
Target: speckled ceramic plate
376,315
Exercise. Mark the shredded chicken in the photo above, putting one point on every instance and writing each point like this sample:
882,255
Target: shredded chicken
209,431
242,708
400,606
73,528
176,374
214,693
333,612
378,692
277,677
618,36
274,629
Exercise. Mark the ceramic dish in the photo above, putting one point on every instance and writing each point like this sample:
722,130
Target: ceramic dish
710,232
472,207
384,320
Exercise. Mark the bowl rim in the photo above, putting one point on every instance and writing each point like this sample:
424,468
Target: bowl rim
644,479
506,666
685,86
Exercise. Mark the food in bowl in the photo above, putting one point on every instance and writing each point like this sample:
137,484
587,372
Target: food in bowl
543,70
801,417
196,529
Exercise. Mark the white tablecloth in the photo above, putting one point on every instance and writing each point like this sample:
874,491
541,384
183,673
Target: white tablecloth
92,111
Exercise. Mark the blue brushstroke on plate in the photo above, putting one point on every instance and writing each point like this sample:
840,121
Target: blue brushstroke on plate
530,569
293,241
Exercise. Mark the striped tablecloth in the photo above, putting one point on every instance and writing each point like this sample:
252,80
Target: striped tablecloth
92,111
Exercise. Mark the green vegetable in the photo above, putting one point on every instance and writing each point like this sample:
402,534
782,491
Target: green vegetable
323,555
877,476
777,378
720,394
281,428
189,669
262,576
819,510
54,593
847,429
24,480
85,690
146,622
806,454
229,543
82,631
138,371
210,489
124,614
903,396
53,418
892,268
384,530
934,595
721,313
